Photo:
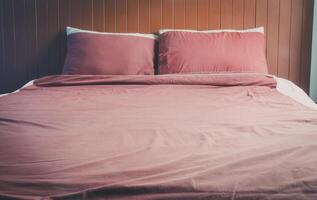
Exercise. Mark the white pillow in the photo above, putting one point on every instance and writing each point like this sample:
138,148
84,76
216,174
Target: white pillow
258,30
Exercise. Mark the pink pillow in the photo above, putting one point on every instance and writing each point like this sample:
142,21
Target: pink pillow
194,52
109,54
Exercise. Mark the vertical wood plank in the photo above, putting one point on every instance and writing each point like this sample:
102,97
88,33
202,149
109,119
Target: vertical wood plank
133,16
86,18
9,44
167,14
144,13
249,14
226,14
179,17
295,41
261,14
238,14
99,15
284,38
144,16
2,71
203,14
75,13
306,44
110,17
214,14
30,34
54,64
20,27
64,21
121,16
155,15
42,37
272,35
191,14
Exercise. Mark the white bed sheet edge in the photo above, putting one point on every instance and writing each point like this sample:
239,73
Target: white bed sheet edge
290,89
18,90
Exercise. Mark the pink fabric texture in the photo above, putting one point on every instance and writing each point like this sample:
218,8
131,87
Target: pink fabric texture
195,136
189,52
91,53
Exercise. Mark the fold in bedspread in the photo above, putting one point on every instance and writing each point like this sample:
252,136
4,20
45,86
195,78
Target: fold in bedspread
200,136
189,79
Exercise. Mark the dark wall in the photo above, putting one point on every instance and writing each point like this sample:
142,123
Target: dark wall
33,42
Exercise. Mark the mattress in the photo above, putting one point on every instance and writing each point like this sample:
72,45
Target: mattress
198,136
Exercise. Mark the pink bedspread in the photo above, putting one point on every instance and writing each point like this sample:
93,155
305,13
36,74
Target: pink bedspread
163,137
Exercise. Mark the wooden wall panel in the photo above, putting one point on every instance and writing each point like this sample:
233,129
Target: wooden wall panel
203,14
144,19
226,14
98,15
20,46
86,17
179,14
53,38
168,13
110,16
33,39
121,15
9,42
2,68
155,15
249,17
64,19
307,27
214,14
296,41
238,14
261,14
272,35
75,13
133,16
191,14
284,38
42,36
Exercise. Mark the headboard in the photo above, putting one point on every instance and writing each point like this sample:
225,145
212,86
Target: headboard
33,40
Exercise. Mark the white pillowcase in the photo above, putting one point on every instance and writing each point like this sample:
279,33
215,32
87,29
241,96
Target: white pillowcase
71,30
258,30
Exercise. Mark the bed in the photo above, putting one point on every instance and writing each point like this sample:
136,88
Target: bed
172,136
146,137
